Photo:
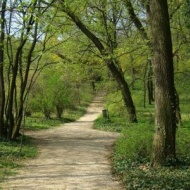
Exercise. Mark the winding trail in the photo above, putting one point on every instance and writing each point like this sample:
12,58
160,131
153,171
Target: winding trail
72,157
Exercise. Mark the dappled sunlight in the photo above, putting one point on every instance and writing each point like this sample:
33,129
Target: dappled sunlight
72,156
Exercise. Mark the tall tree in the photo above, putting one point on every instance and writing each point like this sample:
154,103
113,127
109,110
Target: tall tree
23,33
15,62
165,108
145,36
2,90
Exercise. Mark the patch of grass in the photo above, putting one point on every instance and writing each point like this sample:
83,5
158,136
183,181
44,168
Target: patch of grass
74,114
132,160
12,155
133,151
39,122
133,147
157,179
114,124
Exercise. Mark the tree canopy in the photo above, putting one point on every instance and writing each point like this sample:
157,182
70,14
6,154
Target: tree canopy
53,51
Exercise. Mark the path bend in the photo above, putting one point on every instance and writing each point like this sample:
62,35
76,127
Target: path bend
73,156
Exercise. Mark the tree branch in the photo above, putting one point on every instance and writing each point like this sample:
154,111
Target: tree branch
135,19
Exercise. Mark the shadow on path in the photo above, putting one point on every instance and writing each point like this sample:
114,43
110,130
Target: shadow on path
73,156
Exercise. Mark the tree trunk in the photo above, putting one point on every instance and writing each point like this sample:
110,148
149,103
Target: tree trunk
150,91
127,98
47,113
24,80
9,115
165,123
59,110
145,35
150,83
132,72
2,90
109,63
14,120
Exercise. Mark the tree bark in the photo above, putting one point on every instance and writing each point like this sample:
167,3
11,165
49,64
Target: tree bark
127,98
150,87
145,36
24,80
2,89
165,107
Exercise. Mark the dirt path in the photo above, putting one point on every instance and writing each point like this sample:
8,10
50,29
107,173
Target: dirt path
72,157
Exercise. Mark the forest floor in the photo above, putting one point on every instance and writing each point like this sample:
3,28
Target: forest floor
73,156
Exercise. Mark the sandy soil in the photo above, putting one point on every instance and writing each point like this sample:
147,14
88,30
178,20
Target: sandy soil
72,157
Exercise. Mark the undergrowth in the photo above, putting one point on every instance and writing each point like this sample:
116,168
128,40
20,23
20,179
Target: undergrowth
112,123
12,153
39,122
133,151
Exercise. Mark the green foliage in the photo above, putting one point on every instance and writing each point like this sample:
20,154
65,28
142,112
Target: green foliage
183,143
132,155
186,12
133,149
182,81
50,91
38,123
53,94
163,178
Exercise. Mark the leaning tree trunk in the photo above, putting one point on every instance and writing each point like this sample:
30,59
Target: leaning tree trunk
165,122
109,63
127,98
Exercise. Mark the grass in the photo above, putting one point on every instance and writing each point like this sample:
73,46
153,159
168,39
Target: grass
39,122
157,179
110,124
132,154
133,149
12,155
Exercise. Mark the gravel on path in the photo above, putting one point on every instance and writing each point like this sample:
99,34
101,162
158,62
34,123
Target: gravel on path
73,156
